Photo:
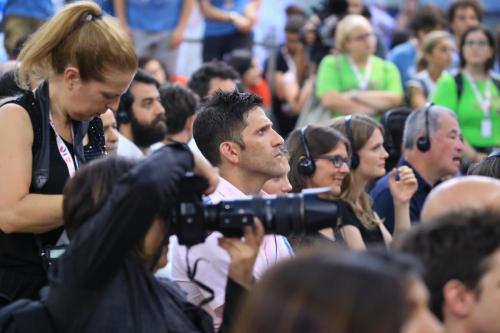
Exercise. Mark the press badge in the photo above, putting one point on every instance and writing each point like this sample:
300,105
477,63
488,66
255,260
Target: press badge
486,129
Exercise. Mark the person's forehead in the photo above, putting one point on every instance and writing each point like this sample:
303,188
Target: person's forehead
141,90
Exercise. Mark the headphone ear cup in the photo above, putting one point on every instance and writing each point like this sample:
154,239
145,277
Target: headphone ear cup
423,144
354,161
306,167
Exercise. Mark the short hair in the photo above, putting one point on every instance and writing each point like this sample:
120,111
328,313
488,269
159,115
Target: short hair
127,99
427,18
200,79
488,166
455,246
320,140
79,35
299,296
86,192
415,124
223,119
294,24
490,63
345,27
474,4
179,103
240,60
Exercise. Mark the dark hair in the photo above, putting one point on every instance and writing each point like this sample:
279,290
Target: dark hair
326,292
240,60
454,246
127,99
427,18
474,4
86,192
200,80
223,119
179,103
320,140
489,166
143,61
294,24
490,63
9,86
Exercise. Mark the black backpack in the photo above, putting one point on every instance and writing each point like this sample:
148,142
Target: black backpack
25,316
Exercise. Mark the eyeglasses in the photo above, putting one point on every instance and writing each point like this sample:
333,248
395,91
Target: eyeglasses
478,43
337,160
362,37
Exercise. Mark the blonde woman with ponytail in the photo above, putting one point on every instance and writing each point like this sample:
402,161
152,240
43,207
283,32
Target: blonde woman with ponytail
434,57
80,63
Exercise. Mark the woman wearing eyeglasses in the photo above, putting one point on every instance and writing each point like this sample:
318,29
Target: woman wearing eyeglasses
474,93
356,80
368,164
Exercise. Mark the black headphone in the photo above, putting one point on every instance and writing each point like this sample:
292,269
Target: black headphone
348,132
424,142
306,165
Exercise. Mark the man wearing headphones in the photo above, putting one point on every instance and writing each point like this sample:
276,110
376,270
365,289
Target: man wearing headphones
141,117
235,135
432,147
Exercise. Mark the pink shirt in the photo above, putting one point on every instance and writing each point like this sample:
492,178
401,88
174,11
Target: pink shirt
213,271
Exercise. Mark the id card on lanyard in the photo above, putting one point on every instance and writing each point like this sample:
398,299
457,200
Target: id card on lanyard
64,151
484,104
363,80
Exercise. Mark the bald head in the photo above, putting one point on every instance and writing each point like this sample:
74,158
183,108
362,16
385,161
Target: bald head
462,194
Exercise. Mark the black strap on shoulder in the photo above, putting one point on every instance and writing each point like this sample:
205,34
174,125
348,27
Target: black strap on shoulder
41,162
459,82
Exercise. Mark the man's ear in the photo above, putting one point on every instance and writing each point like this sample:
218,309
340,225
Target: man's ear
230,151
457,299
72,77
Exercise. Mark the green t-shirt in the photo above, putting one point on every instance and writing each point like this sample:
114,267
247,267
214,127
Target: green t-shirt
468,110
336,73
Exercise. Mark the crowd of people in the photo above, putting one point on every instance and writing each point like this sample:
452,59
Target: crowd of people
102,227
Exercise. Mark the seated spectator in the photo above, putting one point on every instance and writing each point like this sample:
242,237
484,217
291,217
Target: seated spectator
393,122
426,19
461,257
474,93
289,72
356,80
326,292
462,15
460,194
435,56
432,147
251,77
488,166
367,164
212,76
111,134
156,69
116,212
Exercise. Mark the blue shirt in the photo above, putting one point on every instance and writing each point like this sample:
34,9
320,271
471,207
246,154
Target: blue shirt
382,198
219,28
38,9
153,15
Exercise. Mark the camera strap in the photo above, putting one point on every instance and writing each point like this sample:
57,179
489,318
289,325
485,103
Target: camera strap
191,273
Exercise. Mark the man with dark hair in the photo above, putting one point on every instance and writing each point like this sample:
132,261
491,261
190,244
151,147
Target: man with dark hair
235,135
461,255
464,14
141,117
426,19
432,147
180,105
211,77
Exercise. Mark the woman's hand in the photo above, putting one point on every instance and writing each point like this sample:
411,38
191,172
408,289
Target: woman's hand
203,168
403,189
243,253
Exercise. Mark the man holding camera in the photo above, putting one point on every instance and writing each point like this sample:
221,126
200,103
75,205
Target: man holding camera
236,136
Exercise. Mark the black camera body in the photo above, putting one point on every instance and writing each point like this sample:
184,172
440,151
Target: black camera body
296,213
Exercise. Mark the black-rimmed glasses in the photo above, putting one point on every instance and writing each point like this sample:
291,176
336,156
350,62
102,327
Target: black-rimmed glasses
337,160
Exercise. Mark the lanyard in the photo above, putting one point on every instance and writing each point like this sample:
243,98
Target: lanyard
64,151
362,79
483,102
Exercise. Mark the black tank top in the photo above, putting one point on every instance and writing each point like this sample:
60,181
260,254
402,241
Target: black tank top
20,251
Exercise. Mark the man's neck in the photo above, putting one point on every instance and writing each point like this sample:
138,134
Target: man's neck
455,325
179,137
422,166
248,184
